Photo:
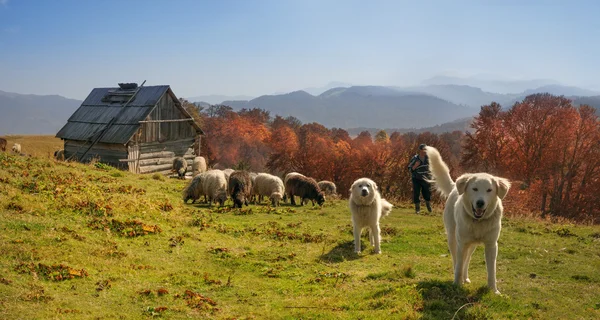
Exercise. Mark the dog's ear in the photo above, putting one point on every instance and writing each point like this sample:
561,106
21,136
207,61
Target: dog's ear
502,185
462,182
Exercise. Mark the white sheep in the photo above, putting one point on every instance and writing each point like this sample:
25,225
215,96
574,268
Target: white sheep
16,148
199,165
269,185
253,191
328,187
214,185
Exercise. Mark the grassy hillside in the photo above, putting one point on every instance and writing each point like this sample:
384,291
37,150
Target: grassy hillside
36,145
84,241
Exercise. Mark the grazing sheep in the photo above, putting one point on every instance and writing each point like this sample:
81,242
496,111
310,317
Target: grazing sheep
3,144
240,188
16,148
214,185
327,187
198,165
180,166
227,173
253,194
269,185
304,187
285,180
59,155
291,174
194,189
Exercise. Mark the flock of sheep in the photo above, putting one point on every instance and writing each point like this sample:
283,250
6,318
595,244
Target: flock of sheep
16,148
244,187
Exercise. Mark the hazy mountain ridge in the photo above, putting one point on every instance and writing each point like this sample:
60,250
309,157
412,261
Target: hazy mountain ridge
217,98
360,106
430,107
491,84
463,125
34,114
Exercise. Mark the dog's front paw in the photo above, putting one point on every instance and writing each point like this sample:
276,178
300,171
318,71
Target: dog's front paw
497,292
467,280
377,251
357,251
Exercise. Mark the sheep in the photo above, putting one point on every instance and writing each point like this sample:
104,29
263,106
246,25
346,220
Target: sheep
269,185
240,188
327,187
285,179
304,187
194,189
253,193
16,148
198,165
214,185
3,144
291,174
227,173
180,166
59,155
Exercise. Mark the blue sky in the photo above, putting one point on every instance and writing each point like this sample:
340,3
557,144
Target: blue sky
245,47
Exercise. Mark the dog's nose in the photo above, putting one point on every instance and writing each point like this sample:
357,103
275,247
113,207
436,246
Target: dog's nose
364,193
480,203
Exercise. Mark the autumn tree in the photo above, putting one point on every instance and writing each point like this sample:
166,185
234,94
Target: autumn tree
486,149
237,140
284,147
547,147
193,109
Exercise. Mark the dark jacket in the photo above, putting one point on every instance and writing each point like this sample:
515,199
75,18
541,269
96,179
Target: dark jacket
422,171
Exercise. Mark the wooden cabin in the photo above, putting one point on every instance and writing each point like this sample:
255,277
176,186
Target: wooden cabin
137,128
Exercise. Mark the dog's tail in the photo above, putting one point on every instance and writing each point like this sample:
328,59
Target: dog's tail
439,172
386,207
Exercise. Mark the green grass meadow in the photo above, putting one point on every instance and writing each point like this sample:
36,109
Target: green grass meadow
91,242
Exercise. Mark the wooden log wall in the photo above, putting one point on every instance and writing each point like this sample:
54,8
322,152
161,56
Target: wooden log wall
158,157
107,153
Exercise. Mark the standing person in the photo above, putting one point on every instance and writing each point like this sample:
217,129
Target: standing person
419,168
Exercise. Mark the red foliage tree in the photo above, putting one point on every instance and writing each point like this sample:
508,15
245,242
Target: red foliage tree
545,145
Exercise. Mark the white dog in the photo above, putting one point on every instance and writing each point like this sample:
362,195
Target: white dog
472,215
367,207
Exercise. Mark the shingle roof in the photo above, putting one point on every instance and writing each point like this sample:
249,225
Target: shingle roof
96,111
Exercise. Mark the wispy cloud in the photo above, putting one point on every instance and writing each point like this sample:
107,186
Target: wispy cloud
3,2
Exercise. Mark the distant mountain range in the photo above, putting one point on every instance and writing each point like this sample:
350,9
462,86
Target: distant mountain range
34,114
395,107
433,107
217,98
491,83
463,124
360,106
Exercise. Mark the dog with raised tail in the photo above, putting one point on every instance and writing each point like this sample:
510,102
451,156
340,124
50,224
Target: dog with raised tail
367,208
472,215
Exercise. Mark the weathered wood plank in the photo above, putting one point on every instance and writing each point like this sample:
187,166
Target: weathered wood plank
160,167
100,145
159,154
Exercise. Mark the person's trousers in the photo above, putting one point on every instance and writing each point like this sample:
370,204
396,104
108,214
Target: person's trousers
421,186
